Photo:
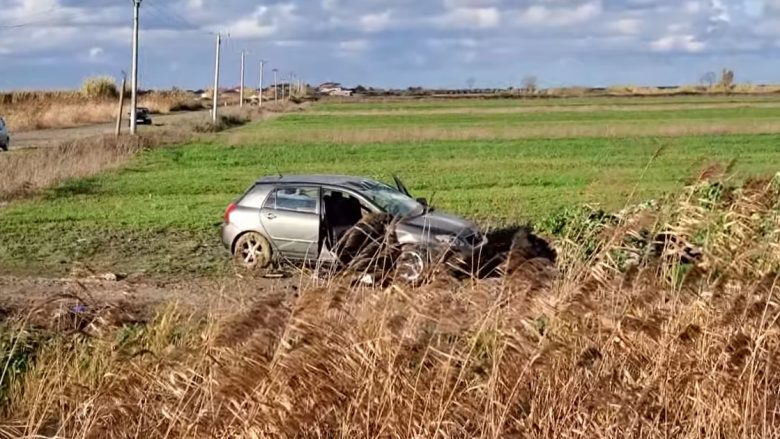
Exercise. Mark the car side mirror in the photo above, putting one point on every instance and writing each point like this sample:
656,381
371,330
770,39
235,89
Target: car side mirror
423,201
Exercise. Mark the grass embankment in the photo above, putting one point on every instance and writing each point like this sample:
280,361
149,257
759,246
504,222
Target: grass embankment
160,213
625,339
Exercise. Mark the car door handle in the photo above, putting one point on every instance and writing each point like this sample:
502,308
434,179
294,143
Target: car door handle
270,216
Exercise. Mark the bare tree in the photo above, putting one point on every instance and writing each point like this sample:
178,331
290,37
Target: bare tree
708,79
470,83
530,84
727,79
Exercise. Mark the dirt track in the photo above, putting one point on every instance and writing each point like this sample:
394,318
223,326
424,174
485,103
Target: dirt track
208,295
52,137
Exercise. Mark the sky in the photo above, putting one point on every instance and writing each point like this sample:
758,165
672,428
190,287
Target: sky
56,44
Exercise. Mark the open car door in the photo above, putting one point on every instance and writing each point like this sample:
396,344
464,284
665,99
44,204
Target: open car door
401,187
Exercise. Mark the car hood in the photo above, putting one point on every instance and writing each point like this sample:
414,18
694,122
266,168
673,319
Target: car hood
426,227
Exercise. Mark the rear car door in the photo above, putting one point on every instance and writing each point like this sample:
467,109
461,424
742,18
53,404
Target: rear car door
291,217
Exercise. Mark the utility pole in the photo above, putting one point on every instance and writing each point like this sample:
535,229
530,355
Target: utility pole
134,73
215,104
241,93
121,105
262,69
276,85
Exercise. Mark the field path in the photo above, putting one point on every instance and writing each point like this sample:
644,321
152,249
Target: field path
218,294
52,137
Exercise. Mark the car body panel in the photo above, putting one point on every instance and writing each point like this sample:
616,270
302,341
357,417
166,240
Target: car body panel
296,235
5,138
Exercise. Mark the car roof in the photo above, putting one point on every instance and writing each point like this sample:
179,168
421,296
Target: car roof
334,180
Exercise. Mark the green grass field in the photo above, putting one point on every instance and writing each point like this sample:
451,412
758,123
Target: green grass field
160,214
392,104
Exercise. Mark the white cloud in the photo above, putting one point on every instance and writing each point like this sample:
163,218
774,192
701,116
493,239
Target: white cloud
462,43
264,22
376,22
693,7
678,43
354,45
470,18
626,26
96,52
719,11
541,15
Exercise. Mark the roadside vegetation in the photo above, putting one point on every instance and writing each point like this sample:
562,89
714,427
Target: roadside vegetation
96,102
659,322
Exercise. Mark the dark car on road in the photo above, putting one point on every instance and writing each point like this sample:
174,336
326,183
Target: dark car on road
301,218
143,116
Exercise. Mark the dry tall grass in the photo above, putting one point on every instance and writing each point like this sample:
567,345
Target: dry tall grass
26,111
27,172
658,322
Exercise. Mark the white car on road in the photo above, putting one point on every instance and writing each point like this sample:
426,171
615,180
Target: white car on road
5,139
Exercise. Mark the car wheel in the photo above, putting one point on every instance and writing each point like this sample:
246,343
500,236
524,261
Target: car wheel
252,251
412,265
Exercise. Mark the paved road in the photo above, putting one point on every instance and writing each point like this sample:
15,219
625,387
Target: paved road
52,137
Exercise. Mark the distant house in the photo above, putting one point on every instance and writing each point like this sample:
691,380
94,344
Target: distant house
333,89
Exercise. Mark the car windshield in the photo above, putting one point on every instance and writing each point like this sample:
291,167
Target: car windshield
390,200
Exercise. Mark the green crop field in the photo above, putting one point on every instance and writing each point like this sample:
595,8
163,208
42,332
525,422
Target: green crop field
160,213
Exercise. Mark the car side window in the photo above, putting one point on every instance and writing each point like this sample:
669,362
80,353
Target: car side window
295,199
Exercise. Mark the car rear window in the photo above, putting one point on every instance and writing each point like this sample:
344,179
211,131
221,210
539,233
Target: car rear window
295,199
255,196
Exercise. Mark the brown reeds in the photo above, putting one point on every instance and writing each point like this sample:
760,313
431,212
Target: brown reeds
29,110
27,172
661,321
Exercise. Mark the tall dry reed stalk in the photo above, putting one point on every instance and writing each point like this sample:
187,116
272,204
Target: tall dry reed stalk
662,321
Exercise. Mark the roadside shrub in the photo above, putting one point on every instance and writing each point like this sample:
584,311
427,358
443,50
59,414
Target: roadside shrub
225,122
100,87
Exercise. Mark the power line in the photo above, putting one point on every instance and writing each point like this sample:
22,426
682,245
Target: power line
32,23
175,17
23,25
172,18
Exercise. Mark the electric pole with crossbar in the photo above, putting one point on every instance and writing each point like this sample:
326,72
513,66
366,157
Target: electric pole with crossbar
215,104
262,70
276,85
134,73
241,93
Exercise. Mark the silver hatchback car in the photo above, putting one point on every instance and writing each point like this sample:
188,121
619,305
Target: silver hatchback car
5,139
300,218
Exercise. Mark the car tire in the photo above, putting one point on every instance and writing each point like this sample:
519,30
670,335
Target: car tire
412,265
252,251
